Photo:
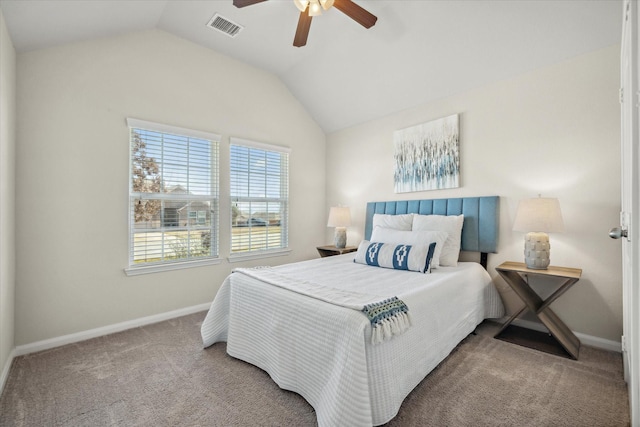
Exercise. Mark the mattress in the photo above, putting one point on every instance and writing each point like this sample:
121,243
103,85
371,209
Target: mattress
324,351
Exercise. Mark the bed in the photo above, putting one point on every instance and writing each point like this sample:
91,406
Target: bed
325,350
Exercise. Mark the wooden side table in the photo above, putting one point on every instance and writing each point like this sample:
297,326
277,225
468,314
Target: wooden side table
325,251
562,341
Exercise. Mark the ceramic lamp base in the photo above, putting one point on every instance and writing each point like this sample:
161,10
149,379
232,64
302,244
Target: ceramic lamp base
340,238
537,250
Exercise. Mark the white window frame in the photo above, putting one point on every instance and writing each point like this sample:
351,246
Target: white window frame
214,198
284,201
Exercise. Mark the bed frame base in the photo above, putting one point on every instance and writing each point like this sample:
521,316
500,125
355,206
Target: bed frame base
483,259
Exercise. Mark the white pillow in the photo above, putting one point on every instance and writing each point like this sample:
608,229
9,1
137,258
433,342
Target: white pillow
398,257
452,225
424,237
397,222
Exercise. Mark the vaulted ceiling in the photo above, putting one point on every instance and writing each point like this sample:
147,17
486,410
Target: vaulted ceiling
417,52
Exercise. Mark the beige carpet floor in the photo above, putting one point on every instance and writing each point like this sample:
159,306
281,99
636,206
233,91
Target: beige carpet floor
159,375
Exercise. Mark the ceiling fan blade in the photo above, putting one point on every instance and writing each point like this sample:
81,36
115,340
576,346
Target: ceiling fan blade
356,13
243,3
302,32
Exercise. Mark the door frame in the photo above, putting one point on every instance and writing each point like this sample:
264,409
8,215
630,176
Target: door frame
630,213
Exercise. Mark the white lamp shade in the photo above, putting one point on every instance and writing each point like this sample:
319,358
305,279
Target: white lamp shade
339,217
326,4
314,8
539,214
301,4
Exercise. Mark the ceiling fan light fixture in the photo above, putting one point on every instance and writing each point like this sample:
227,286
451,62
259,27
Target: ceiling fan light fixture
326,4
310,8
301,4
314,8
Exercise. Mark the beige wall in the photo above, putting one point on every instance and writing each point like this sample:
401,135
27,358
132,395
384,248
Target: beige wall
72,172
553,131
7,193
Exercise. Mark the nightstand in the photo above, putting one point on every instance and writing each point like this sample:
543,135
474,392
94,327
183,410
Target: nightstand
325,251
560,340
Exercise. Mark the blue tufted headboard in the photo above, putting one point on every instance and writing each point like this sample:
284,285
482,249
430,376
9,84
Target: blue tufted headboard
480,228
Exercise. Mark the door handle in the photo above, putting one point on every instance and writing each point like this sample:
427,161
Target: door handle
617,233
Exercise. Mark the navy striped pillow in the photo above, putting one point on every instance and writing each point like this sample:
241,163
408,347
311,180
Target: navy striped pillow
396,256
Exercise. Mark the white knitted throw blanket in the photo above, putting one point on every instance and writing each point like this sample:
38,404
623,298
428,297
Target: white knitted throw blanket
388,316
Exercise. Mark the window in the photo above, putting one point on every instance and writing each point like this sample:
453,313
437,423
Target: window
173,195
259,178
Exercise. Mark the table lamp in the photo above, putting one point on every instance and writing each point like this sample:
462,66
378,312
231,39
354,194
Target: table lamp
538,217
340,218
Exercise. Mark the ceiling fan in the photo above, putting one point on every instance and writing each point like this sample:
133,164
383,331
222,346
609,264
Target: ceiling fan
310,8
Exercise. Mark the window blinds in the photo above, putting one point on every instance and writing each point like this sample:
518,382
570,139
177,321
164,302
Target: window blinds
174,196
259,183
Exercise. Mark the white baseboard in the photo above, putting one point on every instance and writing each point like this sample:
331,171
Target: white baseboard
106,330
584,338
5,370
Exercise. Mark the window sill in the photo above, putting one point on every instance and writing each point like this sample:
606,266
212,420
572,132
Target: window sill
148,269
258,255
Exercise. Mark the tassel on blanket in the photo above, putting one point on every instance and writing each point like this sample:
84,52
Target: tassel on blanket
389,317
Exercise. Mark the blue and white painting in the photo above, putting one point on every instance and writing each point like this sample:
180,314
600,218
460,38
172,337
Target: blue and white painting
427,156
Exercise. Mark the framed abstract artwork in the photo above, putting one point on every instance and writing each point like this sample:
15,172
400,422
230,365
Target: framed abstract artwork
427,156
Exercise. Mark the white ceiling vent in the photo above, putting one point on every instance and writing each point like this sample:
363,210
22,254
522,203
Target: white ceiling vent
223,25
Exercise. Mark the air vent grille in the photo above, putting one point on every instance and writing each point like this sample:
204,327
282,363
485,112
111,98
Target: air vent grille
225,26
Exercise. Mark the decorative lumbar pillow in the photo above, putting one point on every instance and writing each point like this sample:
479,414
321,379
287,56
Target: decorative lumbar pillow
397,222
423,237
399,257
452,225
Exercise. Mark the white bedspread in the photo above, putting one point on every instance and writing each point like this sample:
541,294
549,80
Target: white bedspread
334,367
